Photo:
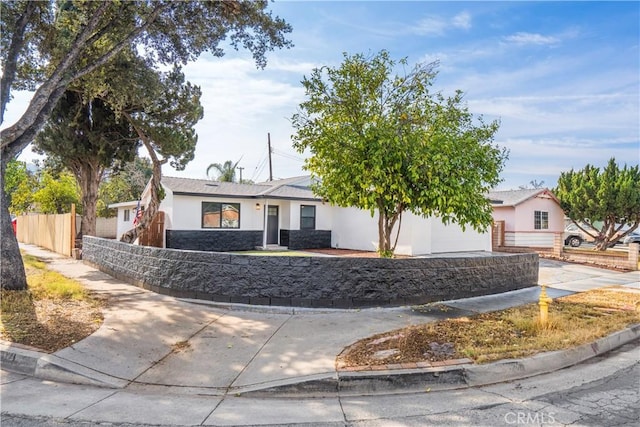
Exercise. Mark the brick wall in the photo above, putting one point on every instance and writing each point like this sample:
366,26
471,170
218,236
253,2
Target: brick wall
623,260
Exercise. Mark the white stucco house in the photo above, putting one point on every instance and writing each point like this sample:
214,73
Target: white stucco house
531,217
220,216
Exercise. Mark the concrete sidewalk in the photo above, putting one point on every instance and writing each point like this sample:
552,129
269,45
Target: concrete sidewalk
153,343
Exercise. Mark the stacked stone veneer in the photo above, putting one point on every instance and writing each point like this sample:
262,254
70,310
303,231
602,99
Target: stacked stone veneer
305,239
213,240
309,281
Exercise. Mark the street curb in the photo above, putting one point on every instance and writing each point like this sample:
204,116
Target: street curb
448,377
51,367
507,370
14,358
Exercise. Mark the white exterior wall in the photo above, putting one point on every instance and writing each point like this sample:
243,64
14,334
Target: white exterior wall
166,206
451,238
123,226
106,227
532,239
354,229
285,214
420,231
324,215
186,213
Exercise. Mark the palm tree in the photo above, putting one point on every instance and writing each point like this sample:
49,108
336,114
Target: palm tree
226,171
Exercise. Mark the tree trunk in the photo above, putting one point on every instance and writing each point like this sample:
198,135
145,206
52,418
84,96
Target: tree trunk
380,231
384,236
385,229
12,274
88,177
150,211
154,202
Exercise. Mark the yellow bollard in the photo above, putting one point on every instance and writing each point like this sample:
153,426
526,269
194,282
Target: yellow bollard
544,306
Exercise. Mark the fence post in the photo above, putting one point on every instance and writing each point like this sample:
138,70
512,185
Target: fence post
633,255
558,244
73,227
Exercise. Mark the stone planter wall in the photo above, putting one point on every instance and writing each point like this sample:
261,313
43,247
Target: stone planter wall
310,281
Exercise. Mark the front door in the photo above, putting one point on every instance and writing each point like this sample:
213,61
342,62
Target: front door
272,225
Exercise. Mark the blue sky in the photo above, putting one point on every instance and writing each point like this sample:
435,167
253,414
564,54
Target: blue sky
562,78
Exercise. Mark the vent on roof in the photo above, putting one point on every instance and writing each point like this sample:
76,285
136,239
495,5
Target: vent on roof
211,184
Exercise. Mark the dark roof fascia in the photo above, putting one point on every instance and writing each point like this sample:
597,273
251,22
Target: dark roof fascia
230,196
236,196
303,199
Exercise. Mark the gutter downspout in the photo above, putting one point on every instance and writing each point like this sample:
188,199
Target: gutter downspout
264,224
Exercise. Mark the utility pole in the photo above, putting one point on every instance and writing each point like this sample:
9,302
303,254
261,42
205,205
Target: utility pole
270,167
240,169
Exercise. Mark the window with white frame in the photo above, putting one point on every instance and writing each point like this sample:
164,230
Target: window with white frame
541,220
127,213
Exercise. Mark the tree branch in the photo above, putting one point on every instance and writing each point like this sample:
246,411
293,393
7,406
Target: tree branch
120,45
11,64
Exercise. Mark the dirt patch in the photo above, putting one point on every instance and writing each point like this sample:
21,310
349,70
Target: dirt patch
49,324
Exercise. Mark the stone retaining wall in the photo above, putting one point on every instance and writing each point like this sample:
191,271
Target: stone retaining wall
310,281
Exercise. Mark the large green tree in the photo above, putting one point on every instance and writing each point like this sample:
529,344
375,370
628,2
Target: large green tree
56,192
17,176
605,204
50,45
123,184
386,143
87,138
163,115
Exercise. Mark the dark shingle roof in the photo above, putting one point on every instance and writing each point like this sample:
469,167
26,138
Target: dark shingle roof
290,188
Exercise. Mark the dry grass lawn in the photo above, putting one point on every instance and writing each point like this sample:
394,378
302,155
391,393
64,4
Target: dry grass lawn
512,333
54,313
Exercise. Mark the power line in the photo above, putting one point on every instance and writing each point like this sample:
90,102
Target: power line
287,155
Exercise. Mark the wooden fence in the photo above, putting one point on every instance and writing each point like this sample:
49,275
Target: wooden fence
53,232
154,234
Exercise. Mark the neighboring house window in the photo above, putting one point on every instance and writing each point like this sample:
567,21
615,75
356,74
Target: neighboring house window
127,212
307,217
220,215
541,220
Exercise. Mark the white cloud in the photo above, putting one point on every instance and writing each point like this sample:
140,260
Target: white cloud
429,26
438,26
462,20
241,105
522,38
300,68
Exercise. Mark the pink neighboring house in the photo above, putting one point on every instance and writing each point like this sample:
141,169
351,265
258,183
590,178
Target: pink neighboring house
530,217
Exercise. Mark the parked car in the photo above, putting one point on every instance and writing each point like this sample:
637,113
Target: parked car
633,237
573,236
